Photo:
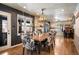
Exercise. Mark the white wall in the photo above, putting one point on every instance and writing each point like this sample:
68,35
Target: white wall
76,30
76,36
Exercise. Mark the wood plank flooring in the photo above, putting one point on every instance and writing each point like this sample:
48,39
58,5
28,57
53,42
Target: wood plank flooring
62,47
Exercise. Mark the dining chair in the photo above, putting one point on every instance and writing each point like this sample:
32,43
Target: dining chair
51,40
28,44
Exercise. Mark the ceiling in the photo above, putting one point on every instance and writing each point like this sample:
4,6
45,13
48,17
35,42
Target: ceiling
59,11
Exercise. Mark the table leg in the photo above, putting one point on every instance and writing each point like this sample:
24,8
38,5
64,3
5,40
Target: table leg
23,50
39,48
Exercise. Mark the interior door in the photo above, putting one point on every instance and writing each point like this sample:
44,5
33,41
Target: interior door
5,30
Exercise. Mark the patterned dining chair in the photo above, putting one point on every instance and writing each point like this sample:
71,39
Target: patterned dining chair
28,44
51,40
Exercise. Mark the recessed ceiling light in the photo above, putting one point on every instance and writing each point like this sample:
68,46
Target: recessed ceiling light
62,10
24,7
56,17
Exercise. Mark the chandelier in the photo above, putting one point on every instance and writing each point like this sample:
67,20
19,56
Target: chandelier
42,17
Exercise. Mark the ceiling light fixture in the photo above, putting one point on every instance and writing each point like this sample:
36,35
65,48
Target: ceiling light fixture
62,10
24,7
56,17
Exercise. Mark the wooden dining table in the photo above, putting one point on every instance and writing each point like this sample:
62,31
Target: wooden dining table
40,38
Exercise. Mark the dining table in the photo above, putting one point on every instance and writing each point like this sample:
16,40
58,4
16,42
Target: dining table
39,38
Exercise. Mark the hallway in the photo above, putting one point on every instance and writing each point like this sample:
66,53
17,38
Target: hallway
62,47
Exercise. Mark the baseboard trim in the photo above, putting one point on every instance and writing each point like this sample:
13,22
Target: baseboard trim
16,45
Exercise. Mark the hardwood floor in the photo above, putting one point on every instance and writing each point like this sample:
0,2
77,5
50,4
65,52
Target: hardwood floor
62,47
65,47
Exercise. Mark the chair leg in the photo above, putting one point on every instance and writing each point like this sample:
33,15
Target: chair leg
54,43
23,50
52,46
49,49
31,52
39,50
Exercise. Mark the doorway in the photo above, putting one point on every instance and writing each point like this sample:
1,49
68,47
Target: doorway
5,30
